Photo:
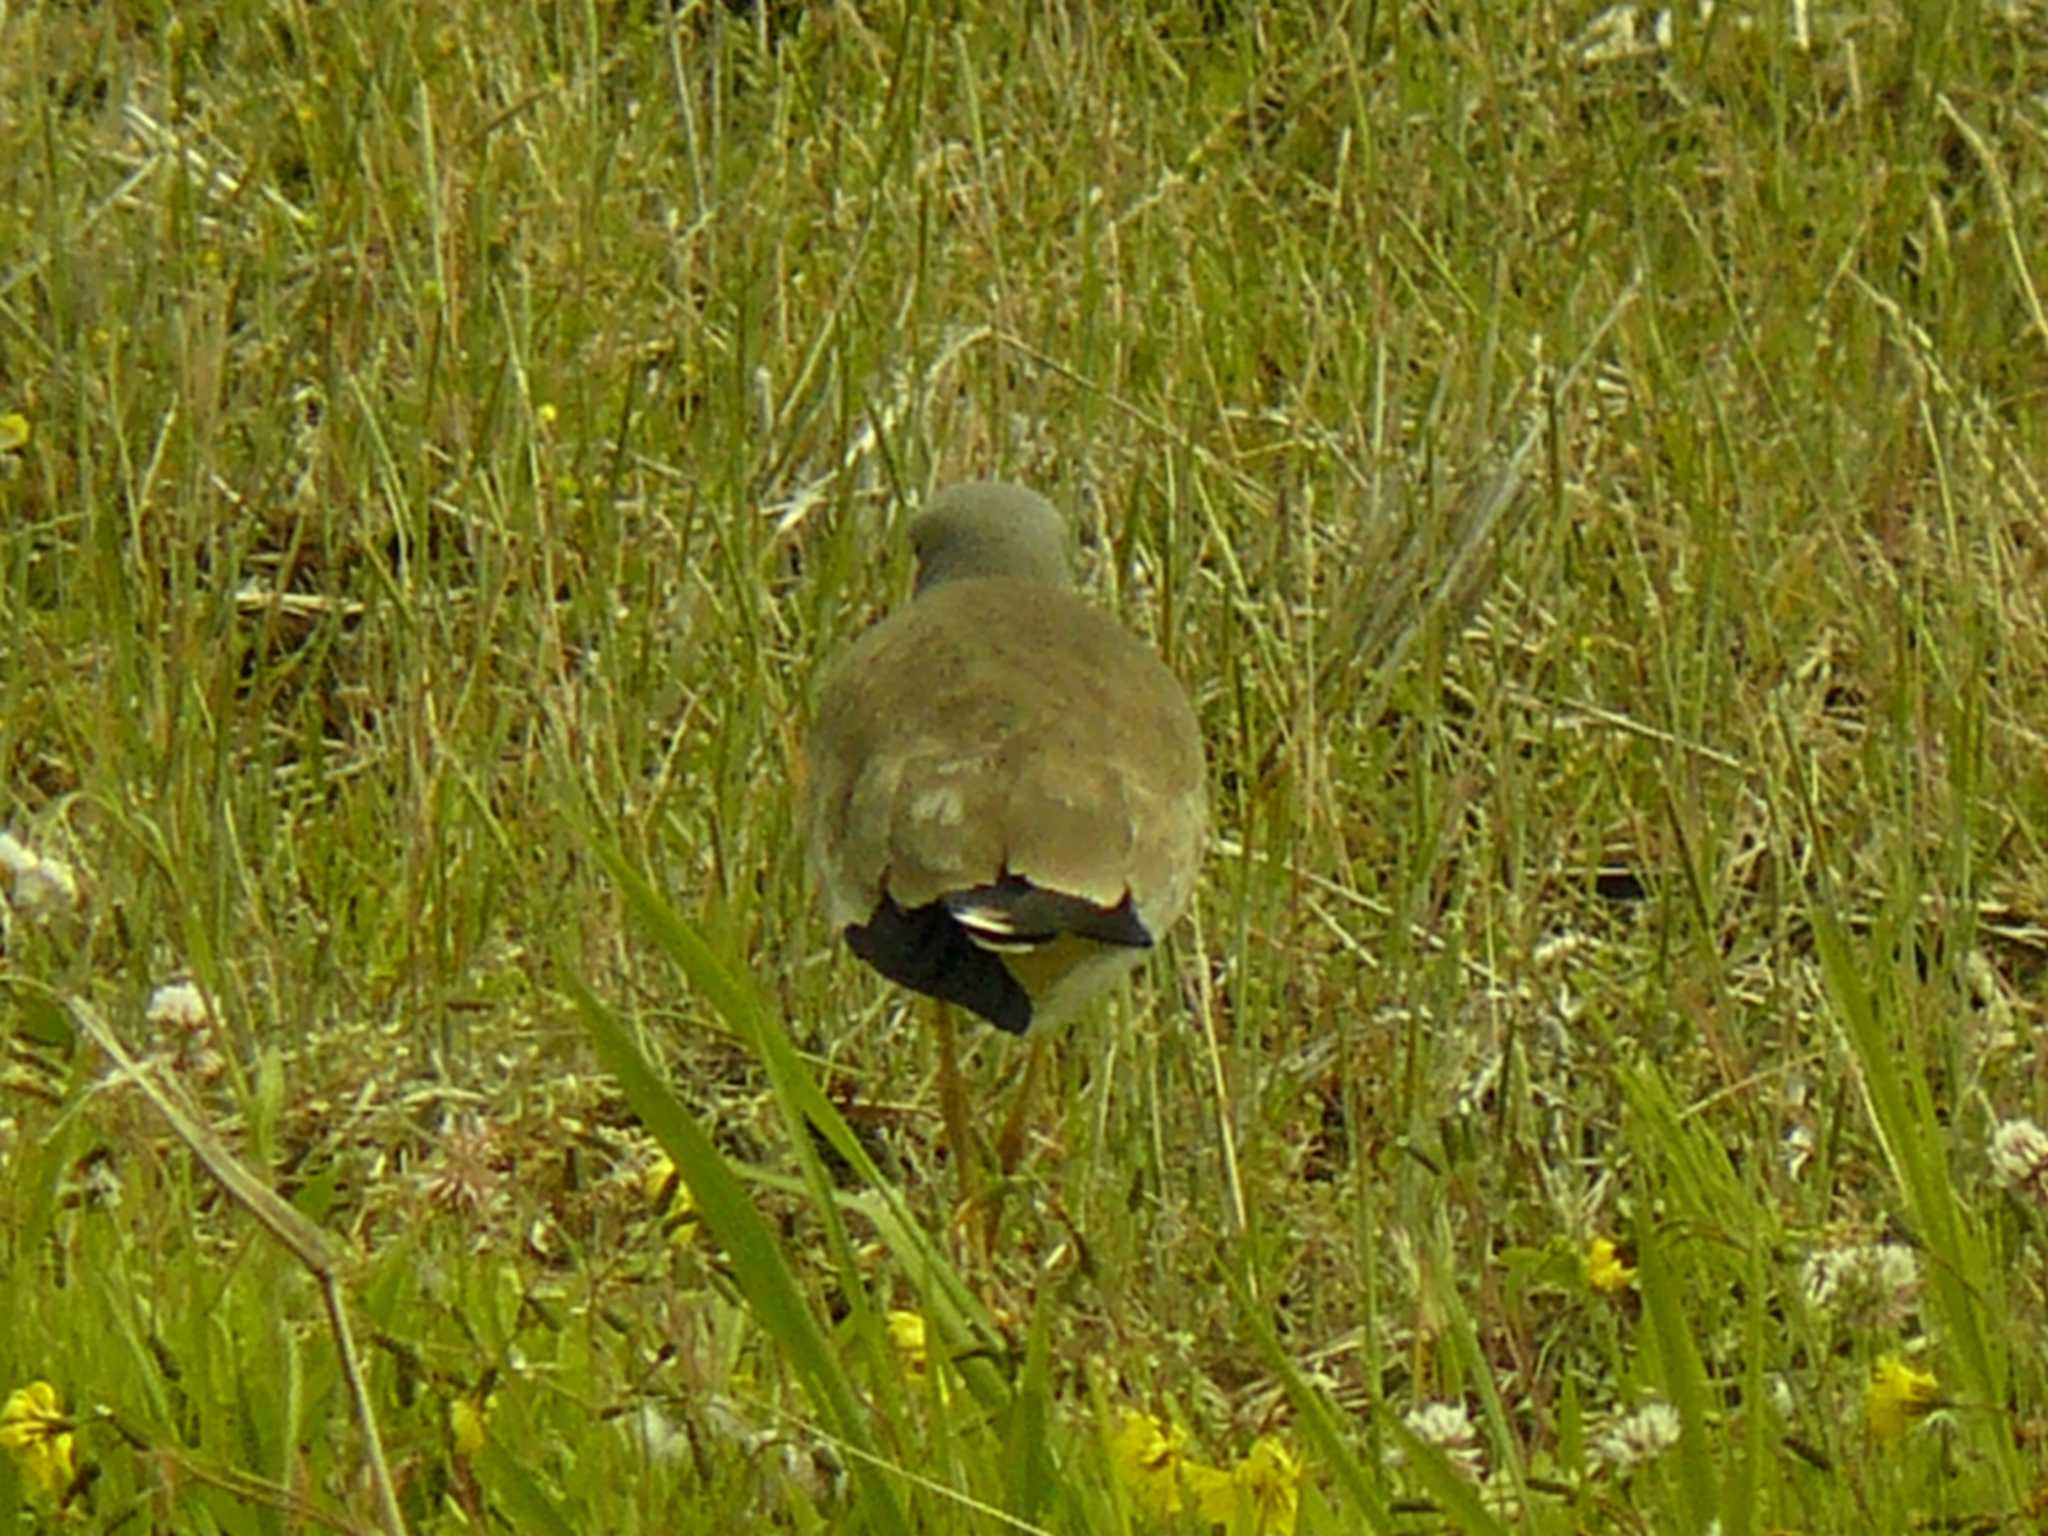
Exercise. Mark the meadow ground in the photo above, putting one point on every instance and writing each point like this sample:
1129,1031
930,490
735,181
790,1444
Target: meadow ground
440,446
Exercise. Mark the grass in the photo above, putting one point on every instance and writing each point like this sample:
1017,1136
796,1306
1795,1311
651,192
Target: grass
456,437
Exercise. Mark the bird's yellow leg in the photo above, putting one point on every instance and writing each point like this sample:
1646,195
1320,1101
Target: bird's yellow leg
953,1104
1010,1145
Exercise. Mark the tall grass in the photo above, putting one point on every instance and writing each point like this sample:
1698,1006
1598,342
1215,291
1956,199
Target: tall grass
452,440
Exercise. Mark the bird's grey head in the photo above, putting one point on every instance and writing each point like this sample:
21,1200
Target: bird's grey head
987,528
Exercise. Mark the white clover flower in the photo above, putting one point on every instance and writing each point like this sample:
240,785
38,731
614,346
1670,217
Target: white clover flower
42,887
1449,1428
176,1005
1642,1436
2019,1158
182,1018
1874,1283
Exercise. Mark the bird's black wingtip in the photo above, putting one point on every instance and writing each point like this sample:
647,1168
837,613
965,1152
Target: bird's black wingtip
924,949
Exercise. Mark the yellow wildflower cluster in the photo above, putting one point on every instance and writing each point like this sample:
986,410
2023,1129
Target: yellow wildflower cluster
1260,1496
35,1432
1897,1395
906,1332
1605,1271
908,1337
666,1189
469,1421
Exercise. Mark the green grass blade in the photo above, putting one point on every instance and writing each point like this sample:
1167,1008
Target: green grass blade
963,1323
523,1497
1318,1421
1901,1109
756,1258
1679,1373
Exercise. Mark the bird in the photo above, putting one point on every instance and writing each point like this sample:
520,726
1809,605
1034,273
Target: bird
1005,789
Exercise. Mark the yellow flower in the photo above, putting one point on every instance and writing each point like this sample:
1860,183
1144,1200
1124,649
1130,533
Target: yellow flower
664,1187
14,431
1605,1272
34,1429
1897,1395
469,1421
906,1332
1215,1492
1260,1496
1149,1460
